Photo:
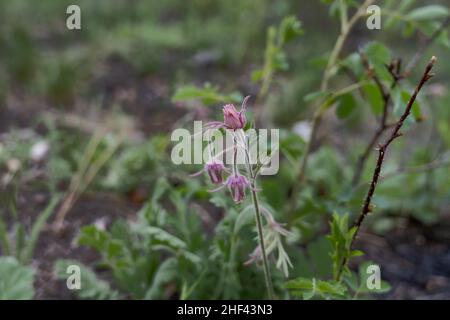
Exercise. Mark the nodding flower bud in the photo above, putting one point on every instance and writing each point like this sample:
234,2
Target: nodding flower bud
237,184
215,170
232,118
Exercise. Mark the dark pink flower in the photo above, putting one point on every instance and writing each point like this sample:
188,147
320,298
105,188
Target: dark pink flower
237,184
214,169
232,118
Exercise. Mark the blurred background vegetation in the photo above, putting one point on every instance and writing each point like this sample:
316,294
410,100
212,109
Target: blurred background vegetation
85,122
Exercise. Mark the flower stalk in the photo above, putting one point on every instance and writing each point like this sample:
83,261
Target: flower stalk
270,235
267,275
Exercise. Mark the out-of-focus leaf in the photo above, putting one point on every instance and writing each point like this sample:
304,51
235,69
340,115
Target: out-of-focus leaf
353,62
166,272
16,280
91,287
377,53
316,95
319,252
164,237
346,105
428,13
290,28
443,39
374,97
101,241
378,56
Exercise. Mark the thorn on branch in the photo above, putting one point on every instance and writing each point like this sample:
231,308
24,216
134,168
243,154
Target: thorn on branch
395,133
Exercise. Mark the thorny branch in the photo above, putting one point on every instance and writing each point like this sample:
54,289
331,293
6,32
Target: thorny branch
395,133
397,75
394,69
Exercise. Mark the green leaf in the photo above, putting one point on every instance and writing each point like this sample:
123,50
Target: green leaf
290,28
93,237
16,280
356,253
316,95
374,98
100,240
91,286
165,273
340,238
346,105
408,29
318,251
377,53
353,62
443,39
164,237
379,56
428,13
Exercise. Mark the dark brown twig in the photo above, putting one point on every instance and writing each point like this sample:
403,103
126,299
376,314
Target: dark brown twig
383,147
394,69
395,133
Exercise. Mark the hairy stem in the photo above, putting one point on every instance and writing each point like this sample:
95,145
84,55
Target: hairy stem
267,275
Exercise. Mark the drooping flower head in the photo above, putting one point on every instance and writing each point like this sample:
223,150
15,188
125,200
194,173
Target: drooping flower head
215,170
237,184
